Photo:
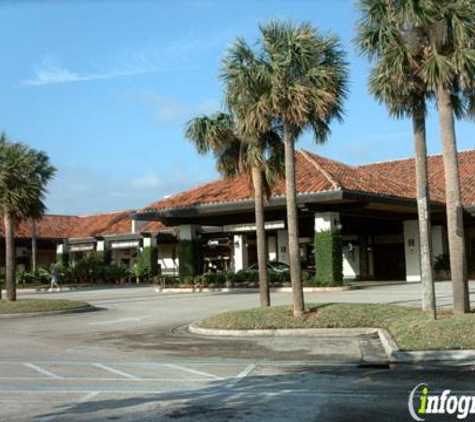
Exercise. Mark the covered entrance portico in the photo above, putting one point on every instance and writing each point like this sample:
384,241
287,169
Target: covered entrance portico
380,235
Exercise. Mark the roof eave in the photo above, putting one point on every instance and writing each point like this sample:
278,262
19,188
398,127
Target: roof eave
243,205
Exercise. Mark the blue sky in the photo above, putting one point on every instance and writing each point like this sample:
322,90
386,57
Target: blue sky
106,87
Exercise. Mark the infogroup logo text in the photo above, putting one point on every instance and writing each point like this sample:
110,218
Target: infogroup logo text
422,403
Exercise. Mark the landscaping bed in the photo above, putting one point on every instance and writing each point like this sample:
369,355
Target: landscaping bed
27,306
411,328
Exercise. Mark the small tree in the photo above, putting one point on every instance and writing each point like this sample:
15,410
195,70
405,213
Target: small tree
257,157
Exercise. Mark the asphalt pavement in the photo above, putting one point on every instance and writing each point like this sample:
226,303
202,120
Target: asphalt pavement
134,360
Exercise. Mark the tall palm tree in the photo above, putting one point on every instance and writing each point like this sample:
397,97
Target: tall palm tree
394,82
259,160
24,173
300,77
438,38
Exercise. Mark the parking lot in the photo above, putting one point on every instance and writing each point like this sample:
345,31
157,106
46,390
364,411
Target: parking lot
134,360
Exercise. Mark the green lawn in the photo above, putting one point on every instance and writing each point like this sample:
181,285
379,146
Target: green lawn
39,305
411,328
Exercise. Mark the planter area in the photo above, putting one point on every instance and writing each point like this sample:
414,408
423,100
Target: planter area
410,328
41,306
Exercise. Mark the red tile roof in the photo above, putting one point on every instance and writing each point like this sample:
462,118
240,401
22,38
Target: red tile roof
314,174
57,227
404,170
49,227
102,224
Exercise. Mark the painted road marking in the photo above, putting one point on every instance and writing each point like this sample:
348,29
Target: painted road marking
116,321
42,371
116,371
89,396
193,371
243,374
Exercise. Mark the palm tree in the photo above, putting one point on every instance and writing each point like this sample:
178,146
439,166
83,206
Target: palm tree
297,80
394,82
439,40
259,160
34,247
24,173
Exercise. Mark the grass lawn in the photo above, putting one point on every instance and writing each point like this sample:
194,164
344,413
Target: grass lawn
411,328
38,305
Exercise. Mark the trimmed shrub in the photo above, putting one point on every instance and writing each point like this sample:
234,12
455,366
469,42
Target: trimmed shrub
190,258
329,258
62,258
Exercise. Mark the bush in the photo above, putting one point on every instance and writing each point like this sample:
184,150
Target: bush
24,278
190,258
218,279
329,258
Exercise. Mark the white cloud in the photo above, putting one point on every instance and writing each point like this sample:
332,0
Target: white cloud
179,54
48,72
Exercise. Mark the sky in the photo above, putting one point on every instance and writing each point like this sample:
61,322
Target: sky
105,87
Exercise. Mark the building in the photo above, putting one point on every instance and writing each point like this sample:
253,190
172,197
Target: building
373,206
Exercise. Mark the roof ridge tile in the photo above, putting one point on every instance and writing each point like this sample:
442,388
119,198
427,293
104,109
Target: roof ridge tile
318,167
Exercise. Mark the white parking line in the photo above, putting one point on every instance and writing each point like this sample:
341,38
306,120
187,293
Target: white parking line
243,374
89,396
116,321
116,371
193,371
42,371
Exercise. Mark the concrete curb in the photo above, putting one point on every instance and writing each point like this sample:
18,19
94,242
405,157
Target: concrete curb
396,356
290,332
78,310
445,357
249,289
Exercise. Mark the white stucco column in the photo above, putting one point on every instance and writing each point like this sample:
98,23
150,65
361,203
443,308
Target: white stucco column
101,245
62,248
149,241
240,256
326,221
189,231
283,246
412,250
272,248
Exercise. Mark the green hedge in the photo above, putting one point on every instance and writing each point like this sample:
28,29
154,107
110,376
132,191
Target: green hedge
328,258
190,256
62,258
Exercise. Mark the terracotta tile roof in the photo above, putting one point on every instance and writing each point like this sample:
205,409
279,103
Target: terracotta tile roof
404,170
63,226
154,226
49,227
102,224
110,224
314,174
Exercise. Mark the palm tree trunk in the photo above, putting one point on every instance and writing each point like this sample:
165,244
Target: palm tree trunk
10,258
261,237
454,204
292,222
34,247
423,209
